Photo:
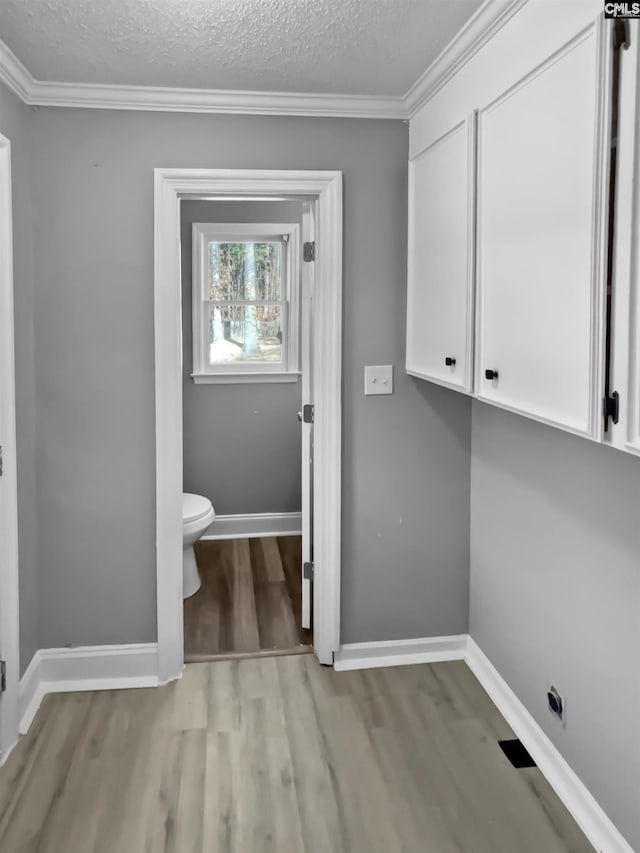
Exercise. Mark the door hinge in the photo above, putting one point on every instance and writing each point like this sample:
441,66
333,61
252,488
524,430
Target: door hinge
3,676
309,252
1,466
611,407
308,570
621,34
308,412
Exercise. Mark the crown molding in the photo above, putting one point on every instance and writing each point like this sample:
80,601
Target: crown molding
43,93
14,75
479,29
213,101
490,17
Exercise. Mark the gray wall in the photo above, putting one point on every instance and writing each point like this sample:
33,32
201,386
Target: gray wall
242,443
14,124
406,456
555,592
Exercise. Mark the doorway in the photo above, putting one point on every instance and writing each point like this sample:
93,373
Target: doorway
172,186
245,366
9,638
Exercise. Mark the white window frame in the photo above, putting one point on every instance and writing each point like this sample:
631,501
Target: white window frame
286,370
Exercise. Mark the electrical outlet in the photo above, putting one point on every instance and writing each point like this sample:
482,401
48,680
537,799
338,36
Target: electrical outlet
557,704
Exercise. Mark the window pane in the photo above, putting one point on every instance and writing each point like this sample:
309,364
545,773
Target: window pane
245,271
240,333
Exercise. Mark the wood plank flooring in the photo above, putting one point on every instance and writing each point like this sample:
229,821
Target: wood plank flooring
249,601
279,755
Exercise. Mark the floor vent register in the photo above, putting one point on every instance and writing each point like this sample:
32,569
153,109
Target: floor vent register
516,753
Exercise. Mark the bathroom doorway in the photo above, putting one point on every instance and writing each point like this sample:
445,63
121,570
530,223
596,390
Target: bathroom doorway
246,325
172,186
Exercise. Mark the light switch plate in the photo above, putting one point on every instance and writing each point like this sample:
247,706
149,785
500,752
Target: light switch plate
378,379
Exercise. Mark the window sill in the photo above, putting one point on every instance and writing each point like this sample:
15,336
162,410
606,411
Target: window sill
244,378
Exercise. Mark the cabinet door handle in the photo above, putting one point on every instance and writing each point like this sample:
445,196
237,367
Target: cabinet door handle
491,374
449,361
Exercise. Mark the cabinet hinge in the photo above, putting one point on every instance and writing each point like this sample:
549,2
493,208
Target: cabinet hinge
309,252
308,570
611,407
308,413
3,676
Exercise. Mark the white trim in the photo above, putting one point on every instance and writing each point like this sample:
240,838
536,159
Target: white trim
170,186
9,579
326,382
484,24
226,101
586,811
85,668
14,74
30,694
479,29
246,378
400,652
47,93
255,525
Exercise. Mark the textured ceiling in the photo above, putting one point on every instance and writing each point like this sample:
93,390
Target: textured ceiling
365,47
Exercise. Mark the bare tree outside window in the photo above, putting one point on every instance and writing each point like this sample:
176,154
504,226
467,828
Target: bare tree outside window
245,302
251,312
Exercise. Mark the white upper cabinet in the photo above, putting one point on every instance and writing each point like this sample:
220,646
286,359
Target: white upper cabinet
523,267
524,216
441,240
543,167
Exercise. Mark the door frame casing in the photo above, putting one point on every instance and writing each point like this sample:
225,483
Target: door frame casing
172,185
9,577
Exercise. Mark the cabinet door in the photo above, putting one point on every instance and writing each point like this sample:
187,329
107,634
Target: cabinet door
441,262
542,174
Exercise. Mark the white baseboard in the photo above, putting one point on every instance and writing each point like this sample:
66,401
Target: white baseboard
29,694
589,816
84,668
255,525
400,652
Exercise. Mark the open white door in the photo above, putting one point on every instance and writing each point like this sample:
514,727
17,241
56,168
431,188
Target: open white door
8,488
306,300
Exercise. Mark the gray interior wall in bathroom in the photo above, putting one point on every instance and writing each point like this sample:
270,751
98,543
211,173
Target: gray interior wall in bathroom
242,443
555,592
405,456
14,124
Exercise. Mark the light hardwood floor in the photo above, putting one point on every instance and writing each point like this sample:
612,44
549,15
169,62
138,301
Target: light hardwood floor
279,755
249,601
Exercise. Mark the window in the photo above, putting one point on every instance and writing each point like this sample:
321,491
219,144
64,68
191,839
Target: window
245,302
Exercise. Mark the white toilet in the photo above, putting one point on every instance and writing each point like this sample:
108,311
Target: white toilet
197,515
